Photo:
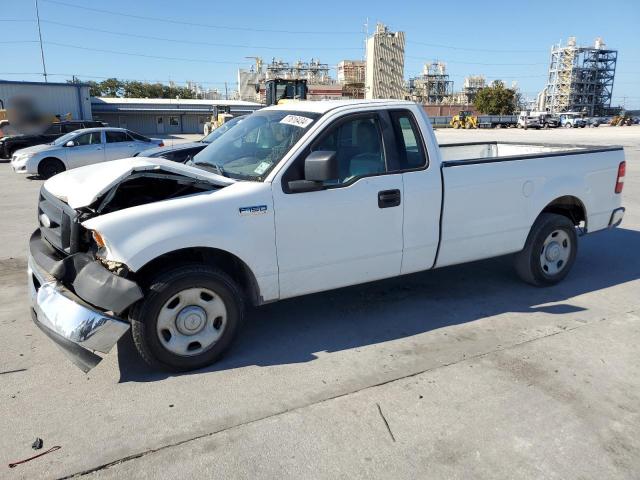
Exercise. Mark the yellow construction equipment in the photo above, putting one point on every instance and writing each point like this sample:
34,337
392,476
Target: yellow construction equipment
223,114
621,120
279,91
464,119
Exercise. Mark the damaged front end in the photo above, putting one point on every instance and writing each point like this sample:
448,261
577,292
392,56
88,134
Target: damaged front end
78,297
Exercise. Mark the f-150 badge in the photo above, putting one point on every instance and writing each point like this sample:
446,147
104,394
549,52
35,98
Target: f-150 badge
255,210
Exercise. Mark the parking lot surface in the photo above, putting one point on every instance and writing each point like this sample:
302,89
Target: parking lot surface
463,372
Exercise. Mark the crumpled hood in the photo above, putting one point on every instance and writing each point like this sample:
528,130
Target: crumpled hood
173,148
82,186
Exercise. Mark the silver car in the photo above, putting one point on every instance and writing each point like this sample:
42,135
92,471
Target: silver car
80,148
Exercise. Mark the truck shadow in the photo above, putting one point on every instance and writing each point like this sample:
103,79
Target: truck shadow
292,331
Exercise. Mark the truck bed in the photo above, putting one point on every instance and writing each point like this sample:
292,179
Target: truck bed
481,152
493,192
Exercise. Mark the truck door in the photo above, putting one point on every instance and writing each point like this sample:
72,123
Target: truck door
350,232
422,193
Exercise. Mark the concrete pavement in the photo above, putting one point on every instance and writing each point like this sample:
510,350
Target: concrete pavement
515,381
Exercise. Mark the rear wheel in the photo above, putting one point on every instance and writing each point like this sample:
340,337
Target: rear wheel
188,318
50,167
550,251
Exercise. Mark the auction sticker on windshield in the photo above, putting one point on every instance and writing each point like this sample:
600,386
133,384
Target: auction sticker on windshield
296,121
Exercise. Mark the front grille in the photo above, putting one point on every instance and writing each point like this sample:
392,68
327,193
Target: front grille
58,223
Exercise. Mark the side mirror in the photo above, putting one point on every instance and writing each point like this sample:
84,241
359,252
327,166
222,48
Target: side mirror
319,166
70,143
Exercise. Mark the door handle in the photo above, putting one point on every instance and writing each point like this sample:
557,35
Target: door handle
388,198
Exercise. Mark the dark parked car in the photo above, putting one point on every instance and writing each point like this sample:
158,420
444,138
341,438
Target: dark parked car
11,143
185,151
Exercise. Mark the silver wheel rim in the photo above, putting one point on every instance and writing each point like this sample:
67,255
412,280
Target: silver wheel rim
555,252
191,321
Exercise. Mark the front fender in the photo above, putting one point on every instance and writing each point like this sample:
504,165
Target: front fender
138,235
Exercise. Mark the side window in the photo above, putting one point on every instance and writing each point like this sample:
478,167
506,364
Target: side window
53,130
137,136
411,153
92,138
71,127
358,146
115,137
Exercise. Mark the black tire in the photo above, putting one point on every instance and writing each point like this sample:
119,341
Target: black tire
528,262
50,167
165,286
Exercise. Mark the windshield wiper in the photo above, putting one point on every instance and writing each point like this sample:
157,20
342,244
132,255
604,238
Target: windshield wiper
211,166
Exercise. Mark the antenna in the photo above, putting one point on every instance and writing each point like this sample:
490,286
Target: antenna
44,67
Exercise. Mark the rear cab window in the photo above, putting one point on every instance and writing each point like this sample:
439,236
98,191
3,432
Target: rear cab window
411,151
54,129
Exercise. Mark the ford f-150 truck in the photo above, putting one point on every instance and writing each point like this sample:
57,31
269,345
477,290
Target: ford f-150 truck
298,198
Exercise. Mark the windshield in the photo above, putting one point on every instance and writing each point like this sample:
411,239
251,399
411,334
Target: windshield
65,138
222,128
252,148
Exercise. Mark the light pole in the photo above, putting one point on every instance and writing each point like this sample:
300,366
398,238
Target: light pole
44,67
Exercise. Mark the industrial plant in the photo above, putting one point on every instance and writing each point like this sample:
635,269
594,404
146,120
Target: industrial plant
580,79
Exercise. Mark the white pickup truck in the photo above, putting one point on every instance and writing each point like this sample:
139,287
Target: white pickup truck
298,198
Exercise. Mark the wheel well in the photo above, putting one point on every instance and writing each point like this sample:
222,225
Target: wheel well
225,261
54,159
569,206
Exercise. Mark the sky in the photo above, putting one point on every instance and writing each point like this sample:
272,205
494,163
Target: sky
162,40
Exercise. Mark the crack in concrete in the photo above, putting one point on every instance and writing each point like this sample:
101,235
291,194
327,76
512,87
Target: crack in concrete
384,419
301,407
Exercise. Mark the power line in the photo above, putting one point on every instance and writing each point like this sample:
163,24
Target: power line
19,41
196,24
192,42
481,63
144,55
159,57
450,47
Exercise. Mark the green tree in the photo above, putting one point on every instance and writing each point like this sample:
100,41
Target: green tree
496,99
112,87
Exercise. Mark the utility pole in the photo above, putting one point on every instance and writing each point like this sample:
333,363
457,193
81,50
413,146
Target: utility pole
44,67
226,92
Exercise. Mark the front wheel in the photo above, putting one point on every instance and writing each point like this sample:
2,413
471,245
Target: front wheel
550,251
50,167
188,318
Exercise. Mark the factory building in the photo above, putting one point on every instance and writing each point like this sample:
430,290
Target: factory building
319,84
351,75
580,79
159,116
64,99
433,86
385,64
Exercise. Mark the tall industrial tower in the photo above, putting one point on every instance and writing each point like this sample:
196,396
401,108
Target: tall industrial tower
385,64
433,86
580,78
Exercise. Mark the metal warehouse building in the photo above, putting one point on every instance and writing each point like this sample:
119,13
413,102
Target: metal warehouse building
50,98
163,116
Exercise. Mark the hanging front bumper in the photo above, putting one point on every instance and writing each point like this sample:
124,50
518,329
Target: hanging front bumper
74,325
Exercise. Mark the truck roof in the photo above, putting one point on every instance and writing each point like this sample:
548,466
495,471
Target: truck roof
323,106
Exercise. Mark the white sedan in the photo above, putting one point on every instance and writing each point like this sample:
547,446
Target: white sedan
79,148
